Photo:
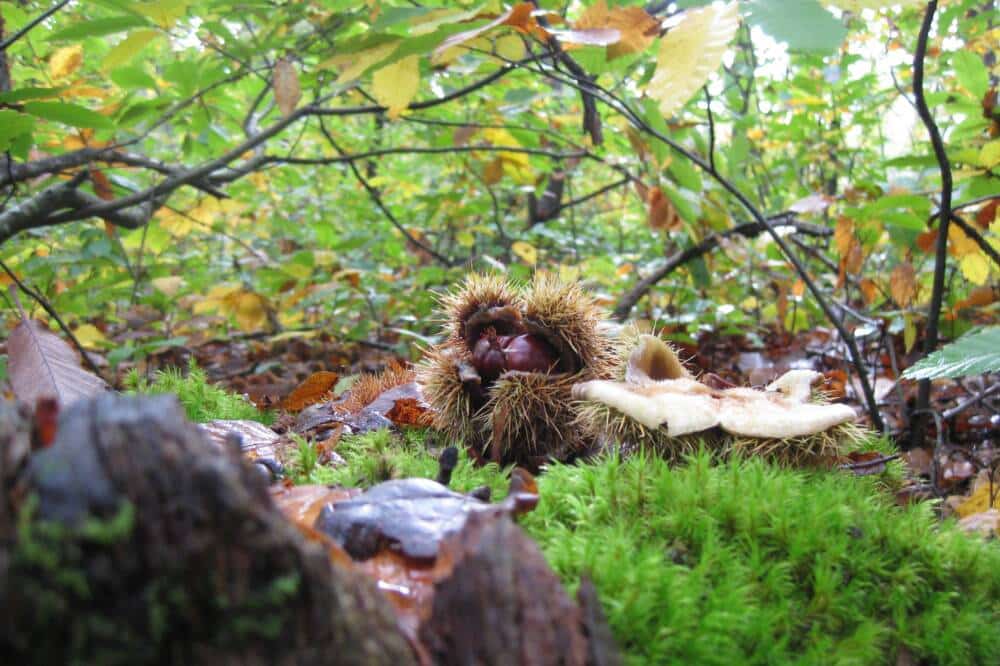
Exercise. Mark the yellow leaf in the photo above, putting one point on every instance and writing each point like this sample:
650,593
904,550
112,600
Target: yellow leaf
526,251
959,244
843,235
909,332
65,61
249,309
89,336
359,63
396,84
287,92
975,268
509,47
169,285
978,501
903,284
128,48
989,156
690,52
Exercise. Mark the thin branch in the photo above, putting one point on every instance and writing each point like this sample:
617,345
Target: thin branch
377,198
593,195
941,251
974,234
30,25
747,230
965,404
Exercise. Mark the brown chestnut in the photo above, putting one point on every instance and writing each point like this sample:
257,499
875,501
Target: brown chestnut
495,354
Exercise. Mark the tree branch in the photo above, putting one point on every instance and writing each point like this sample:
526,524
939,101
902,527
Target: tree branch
747,230
941,251
30,25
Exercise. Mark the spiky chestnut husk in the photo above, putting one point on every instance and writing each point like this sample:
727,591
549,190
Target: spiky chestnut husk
483,301
822,449
610,425
521,417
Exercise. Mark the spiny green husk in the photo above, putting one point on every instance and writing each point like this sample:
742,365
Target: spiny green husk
523,417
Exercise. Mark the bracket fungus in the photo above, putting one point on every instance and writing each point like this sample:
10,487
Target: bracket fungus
661,403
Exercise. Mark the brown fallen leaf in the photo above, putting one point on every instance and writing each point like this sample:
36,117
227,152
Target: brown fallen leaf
41,365
316,388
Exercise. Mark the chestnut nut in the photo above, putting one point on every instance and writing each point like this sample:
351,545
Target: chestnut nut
495,354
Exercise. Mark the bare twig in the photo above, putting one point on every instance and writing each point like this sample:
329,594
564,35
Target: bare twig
377,198
747,230
941,251
965,404
30,25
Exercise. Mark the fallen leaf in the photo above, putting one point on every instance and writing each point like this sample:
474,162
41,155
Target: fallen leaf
41,365
315,388
410,412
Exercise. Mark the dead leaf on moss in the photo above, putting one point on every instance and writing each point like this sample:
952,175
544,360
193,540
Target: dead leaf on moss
317,387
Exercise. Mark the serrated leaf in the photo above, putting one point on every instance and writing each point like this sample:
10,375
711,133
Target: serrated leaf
68,114
128,48
65,61
971,72
396,84
287,92
972,354
41,365
689,54
356,64
162,12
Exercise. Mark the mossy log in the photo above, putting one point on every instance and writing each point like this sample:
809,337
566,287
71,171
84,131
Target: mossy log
132,539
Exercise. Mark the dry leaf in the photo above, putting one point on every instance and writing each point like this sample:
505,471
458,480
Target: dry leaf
287,92
518,17
317,387
661,214
903,284
636,28
41,365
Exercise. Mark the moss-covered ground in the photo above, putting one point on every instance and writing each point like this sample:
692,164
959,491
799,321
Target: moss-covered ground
741,562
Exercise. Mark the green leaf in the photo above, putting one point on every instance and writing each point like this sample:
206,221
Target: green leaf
98,28
12,125
68,114
24,94
971,73
972,354
686,174
802,24
133,77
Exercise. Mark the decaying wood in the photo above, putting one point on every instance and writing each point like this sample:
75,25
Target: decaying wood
138,542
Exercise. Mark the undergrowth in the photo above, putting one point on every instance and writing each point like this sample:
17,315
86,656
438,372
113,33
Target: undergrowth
708,563
744,562
201,400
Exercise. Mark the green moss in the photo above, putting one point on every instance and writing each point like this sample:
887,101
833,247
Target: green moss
750,563
202,401
381,455
742,562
